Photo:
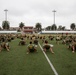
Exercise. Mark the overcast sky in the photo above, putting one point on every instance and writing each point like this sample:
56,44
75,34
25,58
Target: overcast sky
31,12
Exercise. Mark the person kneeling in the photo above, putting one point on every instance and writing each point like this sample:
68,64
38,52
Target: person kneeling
36,42
22,42
31,48
5,45
47,46
73,46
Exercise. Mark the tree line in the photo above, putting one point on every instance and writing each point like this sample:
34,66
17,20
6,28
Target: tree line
38,26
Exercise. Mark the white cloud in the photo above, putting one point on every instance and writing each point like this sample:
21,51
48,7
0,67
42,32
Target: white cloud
32,11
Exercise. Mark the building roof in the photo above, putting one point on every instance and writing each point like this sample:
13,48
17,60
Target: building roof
28,26
28,30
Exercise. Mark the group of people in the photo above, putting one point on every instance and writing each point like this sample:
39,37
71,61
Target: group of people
32,47
72,44
33,42
70,41
4,41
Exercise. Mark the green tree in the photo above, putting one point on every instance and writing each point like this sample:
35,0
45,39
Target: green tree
21,25
72,26
38,26
5,25
48,28
0,28
63,28
60,27
54,27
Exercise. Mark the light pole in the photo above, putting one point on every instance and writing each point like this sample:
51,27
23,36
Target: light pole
54,15
5,14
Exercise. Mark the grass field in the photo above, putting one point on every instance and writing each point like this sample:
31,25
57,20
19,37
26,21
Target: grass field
17,62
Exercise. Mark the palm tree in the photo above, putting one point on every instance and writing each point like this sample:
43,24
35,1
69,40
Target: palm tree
21,25
72,26
38,26
54,27
5,25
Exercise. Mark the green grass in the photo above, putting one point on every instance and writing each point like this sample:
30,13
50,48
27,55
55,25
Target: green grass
17,62
63,60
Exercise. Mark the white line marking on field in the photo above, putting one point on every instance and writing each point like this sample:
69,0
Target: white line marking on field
51,65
